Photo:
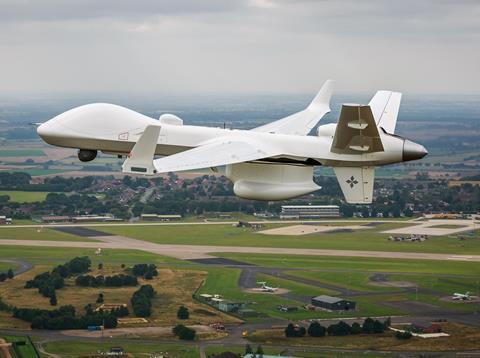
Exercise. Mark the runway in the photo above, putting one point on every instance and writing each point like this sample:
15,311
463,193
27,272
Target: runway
189,252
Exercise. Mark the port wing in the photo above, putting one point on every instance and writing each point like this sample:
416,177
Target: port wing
220,152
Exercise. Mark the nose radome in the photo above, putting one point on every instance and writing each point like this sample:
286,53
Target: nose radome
413,151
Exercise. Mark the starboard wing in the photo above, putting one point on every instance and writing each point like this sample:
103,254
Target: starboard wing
301,123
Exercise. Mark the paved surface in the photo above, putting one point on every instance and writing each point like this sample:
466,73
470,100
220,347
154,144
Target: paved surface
295,230
23,266
207,252
206,222
80,231
431,228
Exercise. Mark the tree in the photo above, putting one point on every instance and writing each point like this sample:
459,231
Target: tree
100,298
378,327
10,274
316,330
184,332
248,349
259,351
290,331
53,299
183,313
367,326
100,266
356,328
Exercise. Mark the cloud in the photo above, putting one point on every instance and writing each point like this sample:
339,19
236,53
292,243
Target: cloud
247,46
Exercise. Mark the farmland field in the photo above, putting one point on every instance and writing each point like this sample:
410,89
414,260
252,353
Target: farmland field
21,153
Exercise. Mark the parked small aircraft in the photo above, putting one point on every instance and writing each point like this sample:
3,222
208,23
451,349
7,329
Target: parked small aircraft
265,288
461,296
271,162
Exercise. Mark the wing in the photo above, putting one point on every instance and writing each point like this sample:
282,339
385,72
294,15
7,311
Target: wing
222,151
356,183
385,106
356,131
301,123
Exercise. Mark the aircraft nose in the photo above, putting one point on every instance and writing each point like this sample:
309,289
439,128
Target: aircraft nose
47,130
413,151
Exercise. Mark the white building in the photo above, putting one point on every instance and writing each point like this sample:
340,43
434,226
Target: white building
309,211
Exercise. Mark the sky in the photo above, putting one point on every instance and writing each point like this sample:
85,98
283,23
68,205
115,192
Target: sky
238,46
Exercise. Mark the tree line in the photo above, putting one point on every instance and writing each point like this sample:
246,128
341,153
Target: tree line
106,281
341,328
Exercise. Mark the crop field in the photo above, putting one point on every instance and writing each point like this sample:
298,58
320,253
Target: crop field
366,239
21,153
25,196
37,233
74,349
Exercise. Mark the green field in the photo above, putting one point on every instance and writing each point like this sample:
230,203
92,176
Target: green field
21,153
5,266
25,196
53,256
37,233
25,351
367,239
362,264
71,349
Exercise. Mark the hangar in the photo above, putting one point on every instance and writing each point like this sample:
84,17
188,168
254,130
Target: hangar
333,303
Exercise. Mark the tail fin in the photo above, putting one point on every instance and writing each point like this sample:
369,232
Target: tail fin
356,183
385,106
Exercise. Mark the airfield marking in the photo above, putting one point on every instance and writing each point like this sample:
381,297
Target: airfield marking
205,251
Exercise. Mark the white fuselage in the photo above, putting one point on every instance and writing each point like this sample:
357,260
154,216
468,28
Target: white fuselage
114,129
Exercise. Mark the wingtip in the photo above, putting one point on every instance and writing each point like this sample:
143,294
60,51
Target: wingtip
324,95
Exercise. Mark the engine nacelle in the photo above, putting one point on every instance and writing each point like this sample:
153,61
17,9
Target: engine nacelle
327,130
86,155
258,181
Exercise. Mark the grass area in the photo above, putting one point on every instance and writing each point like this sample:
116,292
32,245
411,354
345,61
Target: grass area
358,281
220,348
366,239
445,284
295,287
52,256
174,288
25,196
25,351
21,153
4,266
73,349
461,338
224,282
350,264
38,233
